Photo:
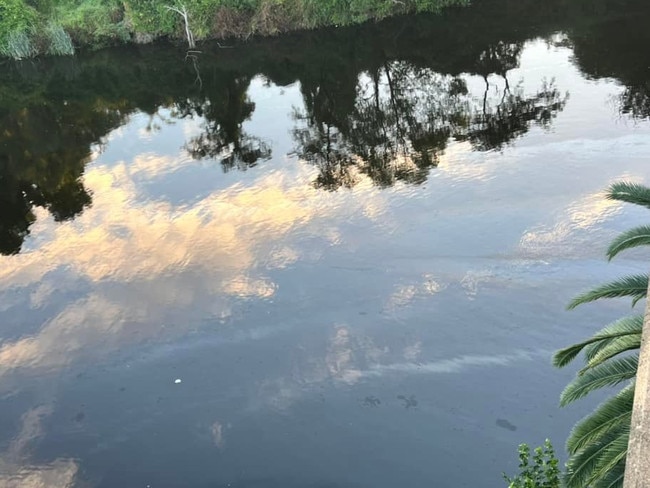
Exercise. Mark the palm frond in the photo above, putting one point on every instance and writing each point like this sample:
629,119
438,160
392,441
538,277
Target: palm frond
620,328
630,326
610,414
598,443
610,373
613,479
568,354
613,348
635,286
614,453
583,467
629,192
639,236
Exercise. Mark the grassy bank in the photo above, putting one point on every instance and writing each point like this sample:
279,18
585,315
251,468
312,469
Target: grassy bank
56,27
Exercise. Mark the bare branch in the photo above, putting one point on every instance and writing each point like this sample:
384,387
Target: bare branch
186,18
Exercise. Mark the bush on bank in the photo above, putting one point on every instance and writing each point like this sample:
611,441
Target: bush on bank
32,27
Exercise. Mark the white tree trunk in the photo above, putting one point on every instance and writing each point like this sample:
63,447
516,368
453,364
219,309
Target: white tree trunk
186,19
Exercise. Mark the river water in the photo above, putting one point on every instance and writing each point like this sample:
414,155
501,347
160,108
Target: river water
332,259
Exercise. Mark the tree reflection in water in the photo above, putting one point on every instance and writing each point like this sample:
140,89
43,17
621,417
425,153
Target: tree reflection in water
44,152
223,138
404,117
381,101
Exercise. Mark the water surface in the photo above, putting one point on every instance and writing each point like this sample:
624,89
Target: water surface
352,247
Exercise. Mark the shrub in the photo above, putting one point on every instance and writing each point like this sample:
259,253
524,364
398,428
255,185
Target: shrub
28,27
93,23
16,16
17,20
543,472
18,45
59,41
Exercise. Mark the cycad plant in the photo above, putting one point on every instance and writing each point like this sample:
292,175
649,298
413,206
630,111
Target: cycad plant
597,444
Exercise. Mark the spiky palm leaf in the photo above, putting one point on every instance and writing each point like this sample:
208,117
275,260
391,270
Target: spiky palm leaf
620,329
639,236
615,453
610,414
630,193
588,467
613,479
598,443
635,286
612,349
610,373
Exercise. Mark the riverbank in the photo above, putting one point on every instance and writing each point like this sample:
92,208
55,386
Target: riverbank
49,27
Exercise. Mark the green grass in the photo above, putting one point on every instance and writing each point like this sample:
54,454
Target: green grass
57,27
17,44
17,23
60,43
16,16
92,23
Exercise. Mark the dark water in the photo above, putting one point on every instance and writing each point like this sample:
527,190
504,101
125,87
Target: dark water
353,248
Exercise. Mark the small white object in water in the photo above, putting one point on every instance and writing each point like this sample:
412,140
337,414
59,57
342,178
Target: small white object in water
177,381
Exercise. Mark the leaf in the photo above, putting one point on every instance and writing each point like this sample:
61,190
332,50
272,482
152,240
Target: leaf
630,326
614,454
610,414
583,467
629,192
598,443
639,236
613,348
620,328
568,354
610,373
635,286
613,479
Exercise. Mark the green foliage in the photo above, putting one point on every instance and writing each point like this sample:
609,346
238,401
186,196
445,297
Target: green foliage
629,192
17,22
622,329
611,413
639,236
628,339
542,471
602,460
345,12
60,43
93,23
631,286
18,45
16,16
609,373
597,444
429,6
98,23
150,16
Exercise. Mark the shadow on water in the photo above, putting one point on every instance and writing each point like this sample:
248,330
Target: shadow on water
381,101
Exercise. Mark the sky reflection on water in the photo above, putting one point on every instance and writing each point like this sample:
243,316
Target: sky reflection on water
338,317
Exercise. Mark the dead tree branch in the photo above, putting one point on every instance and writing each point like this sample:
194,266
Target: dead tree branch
186,19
